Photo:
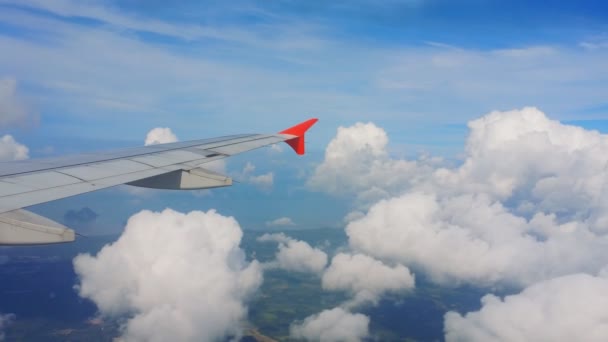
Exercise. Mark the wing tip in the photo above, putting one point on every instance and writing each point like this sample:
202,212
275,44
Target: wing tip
299,130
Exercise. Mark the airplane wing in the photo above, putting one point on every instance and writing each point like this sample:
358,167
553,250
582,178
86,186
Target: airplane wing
177,166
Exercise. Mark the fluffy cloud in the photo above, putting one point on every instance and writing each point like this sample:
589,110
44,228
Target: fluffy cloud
471,238
357,162
276,237
537,163
5,321
525,205
264,181
296,255
366,278
160,135
569,308
335,325
281,221
12,109
10,149
174,276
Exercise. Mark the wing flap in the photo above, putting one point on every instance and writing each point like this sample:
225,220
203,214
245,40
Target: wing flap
22,227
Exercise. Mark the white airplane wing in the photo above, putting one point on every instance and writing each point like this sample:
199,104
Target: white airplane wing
179,166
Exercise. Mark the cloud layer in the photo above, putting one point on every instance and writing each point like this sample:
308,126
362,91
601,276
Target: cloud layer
174,276
526,208
527,195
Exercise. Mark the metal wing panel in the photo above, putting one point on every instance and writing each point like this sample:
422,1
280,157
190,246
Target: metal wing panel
41,180
230,149
26,166
32,182
24,199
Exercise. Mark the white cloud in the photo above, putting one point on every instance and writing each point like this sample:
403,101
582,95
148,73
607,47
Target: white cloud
248,169
335,325
12,150
357,162
281,221
569,308
366,278
264,181
276,148
300,256
564,80
595,43
529,52
5,321
473,239
526,205
160,135
175,276
527,194
296,255
538,163
274,237
12,108
353,215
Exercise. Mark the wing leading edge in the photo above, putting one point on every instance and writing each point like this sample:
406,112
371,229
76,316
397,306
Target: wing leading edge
178,166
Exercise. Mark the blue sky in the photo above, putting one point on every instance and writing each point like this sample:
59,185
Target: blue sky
100,74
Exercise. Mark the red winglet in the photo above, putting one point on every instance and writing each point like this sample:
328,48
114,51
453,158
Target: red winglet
298,130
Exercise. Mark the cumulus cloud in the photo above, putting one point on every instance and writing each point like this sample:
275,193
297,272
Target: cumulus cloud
264,181
281,221
10,149
527,207
353,215
174,276
335,325
12,108
357,162
5,321
540,164
569,308
474,239
296,255
366,278
160,135
275,237
526,204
